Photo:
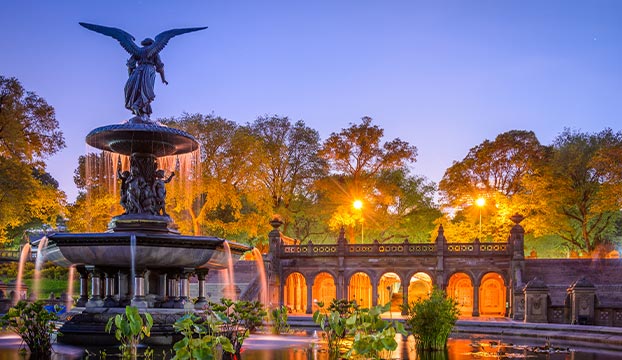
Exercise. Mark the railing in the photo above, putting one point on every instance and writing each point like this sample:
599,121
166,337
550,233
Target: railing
9,255
399,249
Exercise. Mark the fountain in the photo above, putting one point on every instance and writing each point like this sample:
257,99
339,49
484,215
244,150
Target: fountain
142,260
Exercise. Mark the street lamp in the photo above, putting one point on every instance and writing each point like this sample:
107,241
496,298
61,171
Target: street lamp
358,205
480,202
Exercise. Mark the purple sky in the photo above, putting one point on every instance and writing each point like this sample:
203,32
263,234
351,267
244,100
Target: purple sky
442,75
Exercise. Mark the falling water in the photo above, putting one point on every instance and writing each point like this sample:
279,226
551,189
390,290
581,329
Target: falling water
20,272
261,269
72,273
133,261
229,274
36,283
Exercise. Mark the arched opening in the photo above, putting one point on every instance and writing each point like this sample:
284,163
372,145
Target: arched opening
359,289
460,288
492,295
420,286
389,290
324,289
295,293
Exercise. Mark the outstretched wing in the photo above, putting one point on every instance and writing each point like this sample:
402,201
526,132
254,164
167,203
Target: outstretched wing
126,40
162,38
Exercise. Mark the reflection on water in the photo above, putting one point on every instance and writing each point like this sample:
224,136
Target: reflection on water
303,347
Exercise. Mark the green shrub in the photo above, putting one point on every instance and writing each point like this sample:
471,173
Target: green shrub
199,340
34,324
354,332
278,316
236,320
130,329
431,320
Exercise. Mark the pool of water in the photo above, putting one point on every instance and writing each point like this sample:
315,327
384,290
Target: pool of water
310,347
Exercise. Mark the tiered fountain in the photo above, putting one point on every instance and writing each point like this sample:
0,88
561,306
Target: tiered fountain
141,260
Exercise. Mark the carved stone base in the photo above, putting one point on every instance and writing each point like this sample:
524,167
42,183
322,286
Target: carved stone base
143,222
88,328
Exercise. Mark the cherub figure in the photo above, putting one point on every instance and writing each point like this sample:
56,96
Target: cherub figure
135,184
159,191
124,176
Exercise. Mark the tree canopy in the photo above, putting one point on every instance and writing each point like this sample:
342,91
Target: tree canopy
29,133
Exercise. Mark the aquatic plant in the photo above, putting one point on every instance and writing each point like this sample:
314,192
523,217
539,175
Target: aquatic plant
34,324
130,329
200,340
278,317
431,320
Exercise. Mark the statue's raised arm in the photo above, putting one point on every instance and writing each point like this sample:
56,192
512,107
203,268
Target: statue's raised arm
142,65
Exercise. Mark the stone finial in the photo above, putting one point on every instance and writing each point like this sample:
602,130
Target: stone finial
535,283
441,231
517,218
582,283
342,234
276,221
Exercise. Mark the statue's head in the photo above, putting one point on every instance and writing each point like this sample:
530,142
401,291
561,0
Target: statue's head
159,173
147,42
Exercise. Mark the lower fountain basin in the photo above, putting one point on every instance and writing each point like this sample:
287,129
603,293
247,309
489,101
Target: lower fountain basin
152,251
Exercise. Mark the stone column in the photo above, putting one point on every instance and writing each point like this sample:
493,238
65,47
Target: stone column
162,281
475,300
536,301
405,298
309,298
201,300
583,294
109,300
139,300
84,287
123,288
374,294
95,300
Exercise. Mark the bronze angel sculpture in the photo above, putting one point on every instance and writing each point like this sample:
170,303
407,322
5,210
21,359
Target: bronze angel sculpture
142,66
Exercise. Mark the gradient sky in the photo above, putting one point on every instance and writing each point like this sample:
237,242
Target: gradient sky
442,75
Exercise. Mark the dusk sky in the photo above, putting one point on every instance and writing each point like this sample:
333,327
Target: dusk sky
442,75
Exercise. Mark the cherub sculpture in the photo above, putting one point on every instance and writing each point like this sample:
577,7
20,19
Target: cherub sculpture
142,66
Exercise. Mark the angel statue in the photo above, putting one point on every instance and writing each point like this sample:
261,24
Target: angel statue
142,65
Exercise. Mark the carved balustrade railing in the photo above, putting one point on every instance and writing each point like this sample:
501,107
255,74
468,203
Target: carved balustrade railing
400,249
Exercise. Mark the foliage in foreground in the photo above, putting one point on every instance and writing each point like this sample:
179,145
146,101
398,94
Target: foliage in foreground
354,332
236,320
200,338
278,316
130,329
34,324
431,320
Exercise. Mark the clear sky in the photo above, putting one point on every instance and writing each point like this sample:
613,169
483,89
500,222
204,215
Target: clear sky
442,75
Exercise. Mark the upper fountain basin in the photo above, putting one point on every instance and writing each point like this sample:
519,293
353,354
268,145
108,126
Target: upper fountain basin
152,251
147,138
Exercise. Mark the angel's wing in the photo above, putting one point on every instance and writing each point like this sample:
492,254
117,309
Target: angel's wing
162,38
126,40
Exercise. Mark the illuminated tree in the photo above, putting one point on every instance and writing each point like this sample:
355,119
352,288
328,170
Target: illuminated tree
360,165
28,135
577,186
289,165
497,171
224,197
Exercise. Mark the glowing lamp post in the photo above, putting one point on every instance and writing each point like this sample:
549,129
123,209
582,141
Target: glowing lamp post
358,205
480,202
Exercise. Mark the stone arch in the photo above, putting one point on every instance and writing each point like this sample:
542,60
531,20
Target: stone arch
295,293
419,286
360,289
389,289
323,289
460,288
492,294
